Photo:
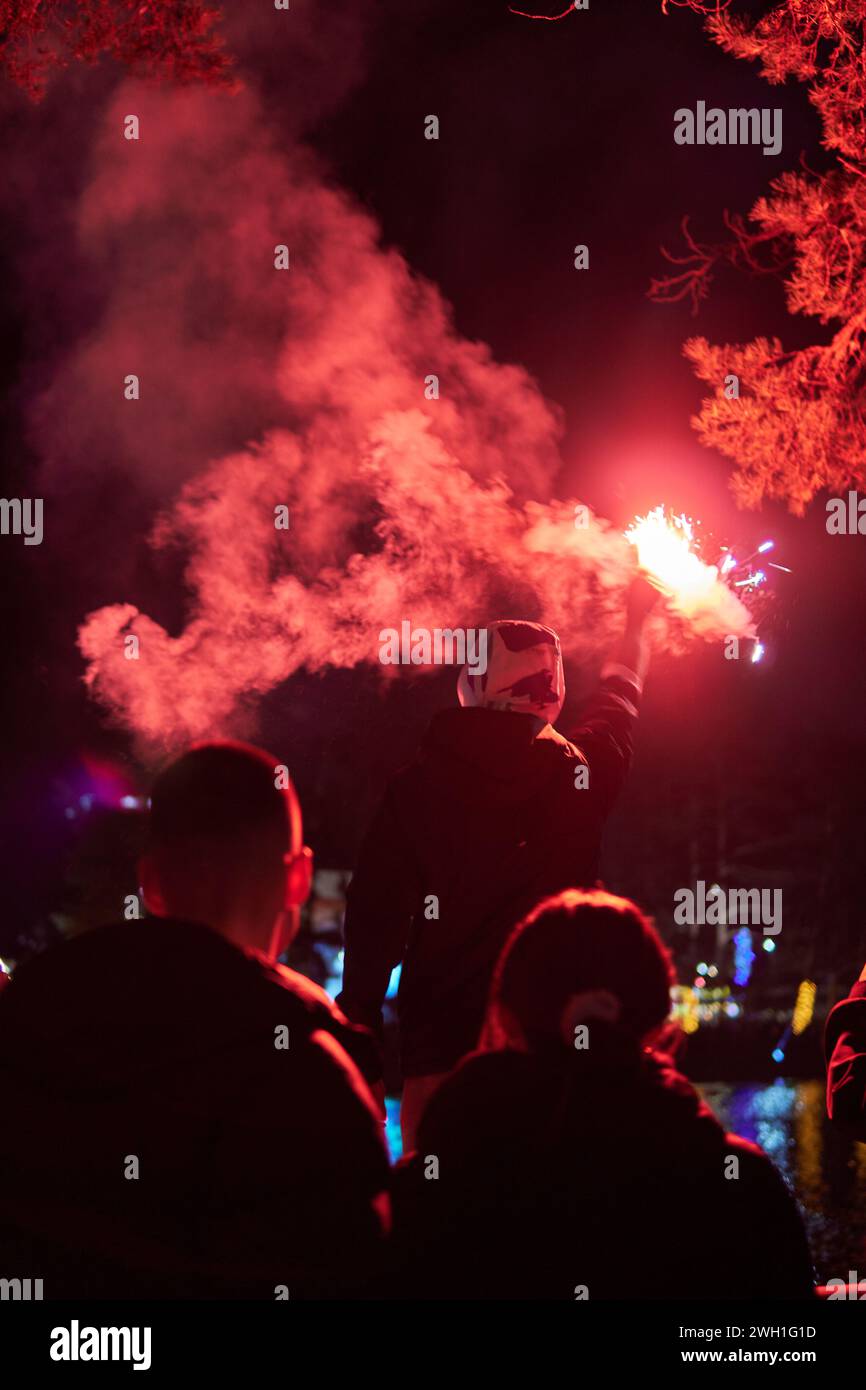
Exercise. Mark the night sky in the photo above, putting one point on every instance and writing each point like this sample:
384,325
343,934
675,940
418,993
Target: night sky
551,135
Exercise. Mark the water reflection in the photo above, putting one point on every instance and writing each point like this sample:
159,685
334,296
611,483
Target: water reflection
825,1170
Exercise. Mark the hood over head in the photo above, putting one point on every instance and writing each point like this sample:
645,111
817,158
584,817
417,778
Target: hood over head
523,674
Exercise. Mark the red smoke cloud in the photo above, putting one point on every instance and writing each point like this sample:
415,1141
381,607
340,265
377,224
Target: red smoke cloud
303,388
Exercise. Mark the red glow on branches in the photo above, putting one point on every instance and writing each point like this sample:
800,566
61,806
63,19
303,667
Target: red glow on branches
173,39
797,423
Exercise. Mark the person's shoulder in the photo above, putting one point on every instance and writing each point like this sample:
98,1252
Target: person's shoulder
344,1106
331,1058
321,1041
558,754
482,1069
124,957
751,1154
485,1086
550,741
288,988
762,1207
754,1165
306,990
847,1014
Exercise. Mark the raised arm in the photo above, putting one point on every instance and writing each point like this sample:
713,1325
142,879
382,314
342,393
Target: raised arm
605,731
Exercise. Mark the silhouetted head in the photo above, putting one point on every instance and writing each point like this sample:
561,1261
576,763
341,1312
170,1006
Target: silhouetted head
523,673
578,958
225,846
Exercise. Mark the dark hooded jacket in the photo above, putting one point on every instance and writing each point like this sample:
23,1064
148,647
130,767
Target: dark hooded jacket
845,1047
563,1176
488,819
155,1141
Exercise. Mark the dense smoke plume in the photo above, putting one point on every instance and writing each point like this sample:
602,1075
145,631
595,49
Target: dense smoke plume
304,388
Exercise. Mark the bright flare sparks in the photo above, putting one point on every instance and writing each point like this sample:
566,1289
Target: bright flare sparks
664,550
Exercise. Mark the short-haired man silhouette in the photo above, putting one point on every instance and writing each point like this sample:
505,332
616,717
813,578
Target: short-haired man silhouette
217,1138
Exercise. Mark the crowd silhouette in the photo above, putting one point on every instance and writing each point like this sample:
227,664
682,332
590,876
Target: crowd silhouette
186,1117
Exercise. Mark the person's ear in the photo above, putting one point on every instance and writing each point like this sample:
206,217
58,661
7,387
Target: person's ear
148,879
299,877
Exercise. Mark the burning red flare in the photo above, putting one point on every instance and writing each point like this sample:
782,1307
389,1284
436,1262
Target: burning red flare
664,549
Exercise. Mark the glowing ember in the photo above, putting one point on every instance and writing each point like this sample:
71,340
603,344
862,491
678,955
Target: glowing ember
664,550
